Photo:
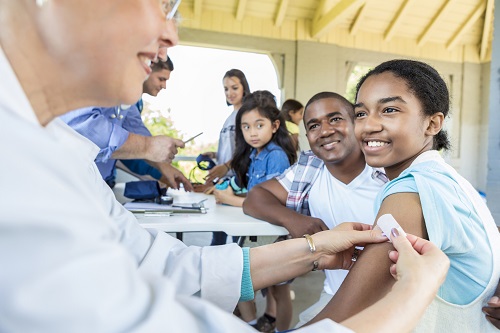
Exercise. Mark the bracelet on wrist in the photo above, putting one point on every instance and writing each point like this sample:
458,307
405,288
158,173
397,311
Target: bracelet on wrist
312,248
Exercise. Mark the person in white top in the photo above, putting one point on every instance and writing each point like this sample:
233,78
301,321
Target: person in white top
235,88
72,258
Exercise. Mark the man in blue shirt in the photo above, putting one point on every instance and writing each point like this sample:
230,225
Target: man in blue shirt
121,135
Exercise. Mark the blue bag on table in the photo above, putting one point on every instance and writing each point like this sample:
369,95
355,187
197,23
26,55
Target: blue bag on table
142,190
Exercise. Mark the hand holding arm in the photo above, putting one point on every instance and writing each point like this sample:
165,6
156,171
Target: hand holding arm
267,201
415,288
278,262
369,280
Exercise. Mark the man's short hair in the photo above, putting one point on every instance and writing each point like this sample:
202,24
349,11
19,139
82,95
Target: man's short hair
328,94
161,65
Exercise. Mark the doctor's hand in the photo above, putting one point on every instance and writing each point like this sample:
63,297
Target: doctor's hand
337,245
162,148
418,262
174,177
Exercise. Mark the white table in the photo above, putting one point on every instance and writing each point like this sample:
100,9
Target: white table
229,219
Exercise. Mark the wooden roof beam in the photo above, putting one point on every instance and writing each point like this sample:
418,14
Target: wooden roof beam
280,15
240,11
358,19
424,37
197,5
485,38
473,17
333,16
398,19
319,10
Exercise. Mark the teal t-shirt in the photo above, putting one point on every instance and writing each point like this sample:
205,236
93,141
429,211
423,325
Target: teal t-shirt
452,224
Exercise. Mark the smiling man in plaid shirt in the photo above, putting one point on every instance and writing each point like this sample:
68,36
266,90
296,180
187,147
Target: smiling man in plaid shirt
328,185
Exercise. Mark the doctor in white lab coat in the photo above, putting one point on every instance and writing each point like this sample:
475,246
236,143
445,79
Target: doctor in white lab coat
71,258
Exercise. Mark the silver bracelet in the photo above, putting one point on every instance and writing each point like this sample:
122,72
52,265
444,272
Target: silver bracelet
312,248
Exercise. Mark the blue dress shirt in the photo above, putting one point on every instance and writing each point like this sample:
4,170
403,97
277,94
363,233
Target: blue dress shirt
109,128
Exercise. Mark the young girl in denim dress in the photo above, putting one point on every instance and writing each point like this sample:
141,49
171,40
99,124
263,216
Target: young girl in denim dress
264,148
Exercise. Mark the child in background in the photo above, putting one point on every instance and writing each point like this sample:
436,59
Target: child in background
264,149
292,111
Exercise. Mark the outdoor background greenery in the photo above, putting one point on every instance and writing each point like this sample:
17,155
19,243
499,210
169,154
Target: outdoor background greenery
162,124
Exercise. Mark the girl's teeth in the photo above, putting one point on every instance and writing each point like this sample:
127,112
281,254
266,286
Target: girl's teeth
376,144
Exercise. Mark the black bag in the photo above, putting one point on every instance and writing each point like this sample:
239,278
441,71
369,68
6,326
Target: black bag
142,190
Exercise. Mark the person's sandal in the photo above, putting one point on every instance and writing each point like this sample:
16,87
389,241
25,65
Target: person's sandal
265,325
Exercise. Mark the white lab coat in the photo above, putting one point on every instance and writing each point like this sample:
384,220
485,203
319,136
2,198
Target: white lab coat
74,260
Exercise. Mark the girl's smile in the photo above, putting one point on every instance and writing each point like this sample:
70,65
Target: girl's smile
234,91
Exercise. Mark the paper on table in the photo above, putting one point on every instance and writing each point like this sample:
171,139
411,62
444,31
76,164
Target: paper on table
146,206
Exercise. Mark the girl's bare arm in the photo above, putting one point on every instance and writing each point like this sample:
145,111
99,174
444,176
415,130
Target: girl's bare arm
369,280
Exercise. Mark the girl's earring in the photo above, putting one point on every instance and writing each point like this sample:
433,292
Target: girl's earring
41,3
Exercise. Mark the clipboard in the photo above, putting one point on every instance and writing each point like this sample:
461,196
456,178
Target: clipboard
150,209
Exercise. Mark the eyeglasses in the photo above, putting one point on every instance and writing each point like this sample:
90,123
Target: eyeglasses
170,8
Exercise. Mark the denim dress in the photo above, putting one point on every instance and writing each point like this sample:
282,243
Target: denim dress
269,163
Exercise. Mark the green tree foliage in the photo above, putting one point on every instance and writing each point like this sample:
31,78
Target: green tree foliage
158,124
161,124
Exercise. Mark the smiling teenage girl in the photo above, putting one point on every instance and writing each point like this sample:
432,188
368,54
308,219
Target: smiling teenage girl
400,110
235,88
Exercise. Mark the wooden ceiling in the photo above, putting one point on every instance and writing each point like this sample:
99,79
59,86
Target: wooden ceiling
451,24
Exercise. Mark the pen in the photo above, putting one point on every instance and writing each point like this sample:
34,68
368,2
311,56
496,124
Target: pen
191,138
156,214
168,212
